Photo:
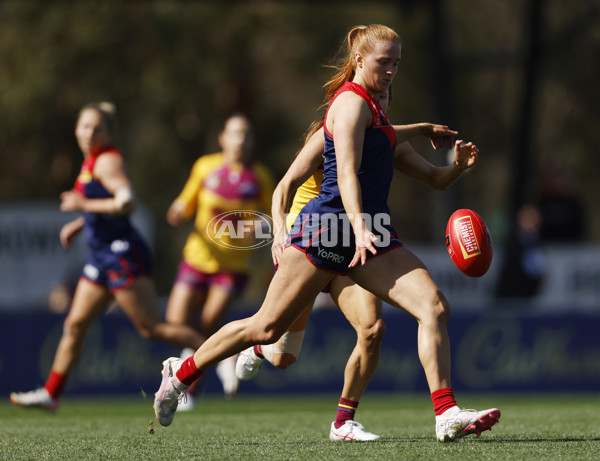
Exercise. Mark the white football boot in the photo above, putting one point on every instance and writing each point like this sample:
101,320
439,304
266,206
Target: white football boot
38,398
170,391
351,430
455,423
248,364
187,402
226,372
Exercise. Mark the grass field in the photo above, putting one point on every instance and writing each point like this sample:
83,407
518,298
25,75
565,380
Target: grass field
557,426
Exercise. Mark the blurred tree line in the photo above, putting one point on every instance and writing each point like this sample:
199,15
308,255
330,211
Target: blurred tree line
519,78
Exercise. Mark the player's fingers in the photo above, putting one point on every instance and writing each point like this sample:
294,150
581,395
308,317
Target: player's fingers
371,247
356,259
64,241
276,251
363,258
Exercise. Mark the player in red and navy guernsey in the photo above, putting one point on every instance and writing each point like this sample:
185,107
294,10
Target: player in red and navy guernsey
363,165
119,263
323,219
118,254
362,309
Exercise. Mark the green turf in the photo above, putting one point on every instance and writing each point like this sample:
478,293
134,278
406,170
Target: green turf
551,427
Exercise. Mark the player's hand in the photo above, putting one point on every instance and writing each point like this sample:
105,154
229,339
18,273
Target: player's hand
364,242
175,213
465,154
68,233
440,136
71,201
278,245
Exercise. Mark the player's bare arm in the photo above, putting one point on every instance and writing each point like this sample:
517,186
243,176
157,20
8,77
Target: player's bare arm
349,117
413,164
306,162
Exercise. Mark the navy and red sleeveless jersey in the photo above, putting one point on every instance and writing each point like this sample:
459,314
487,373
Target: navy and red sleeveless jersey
377,166
321,230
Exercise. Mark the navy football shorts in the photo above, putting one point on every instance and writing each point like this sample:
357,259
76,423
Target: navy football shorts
331,248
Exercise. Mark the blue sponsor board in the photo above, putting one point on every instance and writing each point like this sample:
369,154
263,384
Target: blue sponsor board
495,351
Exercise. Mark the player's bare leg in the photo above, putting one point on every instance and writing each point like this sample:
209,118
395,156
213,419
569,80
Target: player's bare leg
401,279
183,305
89,301
296,282
213,313
364,312
139,303
280,354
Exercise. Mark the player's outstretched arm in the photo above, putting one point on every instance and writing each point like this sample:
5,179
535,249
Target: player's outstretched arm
411,163
439,135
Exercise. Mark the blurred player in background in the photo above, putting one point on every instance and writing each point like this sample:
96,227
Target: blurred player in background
119,263
213,271
357,174
362,309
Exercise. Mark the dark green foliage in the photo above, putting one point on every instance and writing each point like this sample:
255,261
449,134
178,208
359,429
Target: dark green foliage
175,70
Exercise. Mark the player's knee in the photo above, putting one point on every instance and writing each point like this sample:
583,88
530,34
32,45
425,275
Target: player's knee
378,331
172,318
149,331
439,310
75,330
444,308
372,336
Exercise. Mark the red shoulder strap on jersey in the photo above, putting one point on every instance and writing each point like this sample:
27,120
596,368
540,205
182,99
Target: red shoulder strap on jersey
377,114
86,173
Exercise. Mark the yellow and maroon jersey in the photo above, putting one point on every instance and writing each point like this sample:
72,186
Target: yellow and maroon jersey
212,189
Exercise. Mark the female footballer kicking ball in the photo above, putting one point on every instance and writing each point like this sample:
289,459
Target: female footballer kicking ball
362,309
358,169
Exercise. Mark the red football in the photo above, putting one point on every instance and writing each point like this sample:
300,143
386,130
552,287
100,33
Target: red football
469,243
